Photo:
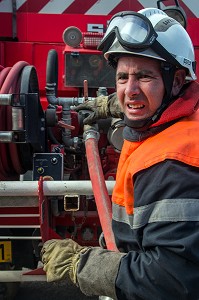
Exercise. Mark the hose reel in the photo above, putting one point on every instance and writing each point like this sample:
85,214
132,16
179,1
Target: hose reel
22,126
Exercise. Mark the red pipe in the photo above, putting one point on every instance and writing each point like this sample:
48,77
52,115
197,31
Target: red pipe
102,199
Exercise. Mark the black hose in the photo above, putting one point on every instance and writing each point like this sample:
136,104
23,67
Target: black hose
52,69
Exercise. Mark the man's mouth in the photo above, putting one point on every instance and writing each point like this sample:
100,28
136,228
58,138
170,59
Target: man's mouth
135,106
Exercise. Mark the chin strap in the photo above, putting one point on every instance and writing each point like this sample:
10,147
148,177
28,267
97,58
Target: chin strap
168,73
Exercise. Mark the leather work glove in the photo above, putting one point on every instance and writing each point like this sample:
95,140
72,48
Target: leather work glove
92,269
101,108
60,259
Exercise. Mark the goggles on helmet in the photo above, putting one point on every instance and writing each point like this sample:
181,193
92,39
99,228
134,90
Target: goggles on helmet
133,30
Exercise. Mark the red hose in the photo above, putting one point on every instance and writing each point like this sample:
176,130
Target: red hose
3,75
102,199
9,160
13,74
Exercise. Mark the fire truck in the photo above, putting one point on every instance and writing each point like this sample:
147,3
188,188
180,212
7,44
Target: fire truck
56,178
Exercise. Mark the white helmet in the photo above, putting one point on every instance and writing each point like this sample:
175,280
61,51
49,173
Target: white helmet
163,38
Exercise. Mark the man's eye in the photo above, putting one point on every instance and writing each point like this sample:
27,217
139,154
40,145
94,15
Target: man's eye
122,78
145,77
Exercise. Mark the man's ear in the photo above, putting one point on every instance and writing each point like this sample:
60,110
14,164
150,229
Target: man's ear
178,82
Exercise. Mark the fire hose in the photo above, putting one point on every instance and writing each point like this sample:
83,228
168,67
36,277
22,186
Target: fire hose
9,83
21,79
102,199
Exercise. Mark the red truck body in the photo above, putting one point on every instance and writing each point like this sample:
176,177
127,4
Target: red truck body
38,27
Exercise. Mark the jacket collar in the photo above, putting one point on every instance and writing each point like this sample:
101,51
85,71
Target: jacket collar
184,106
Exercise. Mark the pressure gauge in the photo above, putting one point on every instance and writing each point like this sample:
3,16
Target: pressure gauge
72,36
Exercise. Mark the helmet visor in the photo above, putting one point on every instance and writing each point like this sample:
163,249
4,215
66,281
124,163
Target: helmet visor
133,30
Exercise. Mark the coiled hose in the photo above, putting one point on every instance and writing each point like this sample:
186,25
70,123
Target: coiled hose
10,78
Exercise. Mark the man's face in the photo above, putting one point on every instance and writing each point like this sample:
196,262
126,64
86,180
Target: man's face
140,87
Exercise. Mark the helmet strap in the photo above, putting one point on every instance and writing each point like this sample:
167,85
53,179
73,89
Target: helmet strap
168,72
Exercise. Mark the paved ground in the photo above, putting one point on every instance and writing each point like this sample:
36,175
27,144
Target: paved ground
50,291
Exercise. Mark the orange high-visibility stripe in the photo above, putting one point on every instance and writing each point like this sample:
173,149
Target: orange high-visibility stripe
178,142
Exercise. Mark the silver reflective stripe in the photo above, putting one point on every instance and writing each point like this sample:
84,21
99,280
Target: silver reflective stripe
166,210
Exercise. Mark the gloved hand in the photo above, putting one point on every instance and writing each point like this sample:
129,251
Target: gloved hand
101,108
60,259
93,269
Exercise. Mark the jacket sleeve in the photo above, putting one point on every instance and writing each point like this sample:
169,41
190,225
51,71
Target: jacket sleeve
97,271
163,257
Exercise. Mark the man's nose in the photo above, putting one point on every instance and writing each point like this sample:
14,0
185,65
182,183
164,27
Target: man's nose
132,87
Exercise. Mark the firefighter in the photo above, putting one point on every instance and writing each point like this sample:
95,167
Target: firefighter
156,196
